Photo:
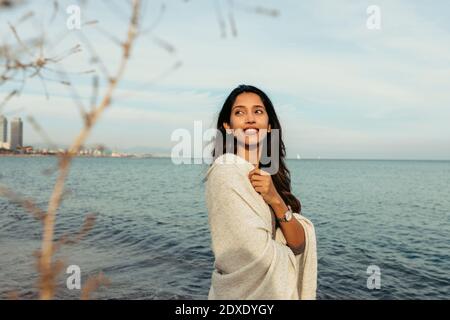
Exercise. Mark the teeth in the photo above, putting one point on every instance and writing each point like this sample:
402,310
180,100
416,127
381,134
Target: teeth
251,132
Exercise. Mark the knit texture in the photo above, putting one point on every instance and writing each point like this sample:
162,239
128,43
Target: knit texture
249,264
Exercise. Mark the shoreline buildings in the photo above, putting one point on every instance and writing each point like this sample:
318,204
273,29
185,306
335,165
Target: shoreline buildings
16,137
15,141
3,130
12,144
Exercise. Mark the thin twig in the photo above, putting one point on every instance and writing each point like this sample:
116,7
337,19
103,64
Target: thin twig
47,249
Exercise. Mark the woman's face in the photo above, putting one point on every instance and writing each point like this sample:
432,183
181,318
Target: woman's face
249,119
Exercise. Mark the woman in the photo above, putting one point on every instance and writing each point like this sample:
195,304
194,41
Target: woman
263,247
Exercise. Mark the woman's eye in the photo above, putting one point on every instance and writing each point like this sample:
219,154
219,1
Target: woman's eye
257,111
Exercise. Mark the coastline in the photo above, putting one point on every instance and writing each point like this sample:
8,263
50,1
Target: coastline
168,157
79,156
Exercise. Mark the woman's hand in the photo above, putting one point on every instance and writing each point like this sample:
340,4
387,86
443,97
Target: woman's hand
263,184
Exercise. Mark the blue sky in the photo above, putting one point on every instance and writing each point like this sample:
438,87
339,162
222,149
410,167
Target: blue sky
340,89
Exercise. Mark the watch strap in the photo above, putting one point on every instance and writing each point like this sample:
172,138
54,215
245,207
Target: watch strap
284,216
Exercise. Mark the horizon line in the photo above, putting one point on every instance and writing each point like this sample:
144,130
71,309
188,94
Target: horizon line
353,159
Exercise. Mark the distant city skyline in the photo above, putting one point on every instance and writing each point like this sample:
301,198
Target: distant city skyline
15,140
341,91
3,129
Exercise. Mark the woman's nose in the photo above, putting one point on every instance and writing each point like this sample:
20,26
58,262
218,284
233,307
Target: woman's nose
250,118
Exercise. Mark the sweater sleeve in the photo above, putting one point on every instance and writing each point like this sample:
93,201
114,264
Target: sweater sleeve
238,235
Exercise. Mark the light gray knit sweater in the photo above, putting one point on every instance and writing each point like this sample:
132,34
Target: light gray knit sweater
249,263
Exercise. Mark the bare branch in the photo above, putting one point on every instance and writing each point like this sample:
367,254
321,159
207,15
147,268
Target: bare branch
47,248
92,284
25,203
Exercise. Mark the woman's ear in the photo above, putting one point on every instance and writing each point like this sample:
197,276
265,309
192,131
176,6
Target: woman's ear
227,128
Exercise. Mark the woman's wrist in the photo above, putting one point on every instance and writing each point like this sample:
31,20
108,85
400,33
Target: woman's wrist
276,201
279,207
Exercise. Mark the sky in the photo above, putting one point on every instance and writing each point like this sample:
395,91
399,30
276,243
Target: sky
340,89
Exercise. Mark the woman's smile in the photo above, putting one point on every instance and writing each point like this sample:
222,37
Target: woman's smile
251,132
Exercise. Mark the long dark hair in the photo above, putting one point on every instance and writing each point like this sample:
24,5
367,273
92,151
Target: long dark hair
281,179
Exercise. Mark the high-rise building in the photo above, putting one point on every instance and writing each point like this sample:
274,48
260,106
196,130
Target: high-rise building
3,130
16,133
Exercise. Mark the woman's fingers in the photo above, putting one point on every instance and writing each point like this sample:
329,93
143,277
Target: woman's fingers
257,173
251,173
259,189
256,177
256,170
257,183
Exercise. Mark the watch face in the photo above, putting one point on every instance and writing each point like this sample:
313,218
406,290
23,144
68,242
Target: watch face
288,215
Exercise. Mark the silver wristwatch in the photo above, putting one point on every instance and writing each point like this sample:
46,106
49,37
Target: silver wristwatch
287,216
